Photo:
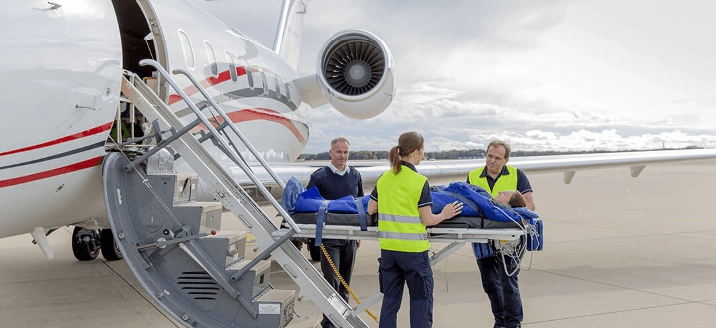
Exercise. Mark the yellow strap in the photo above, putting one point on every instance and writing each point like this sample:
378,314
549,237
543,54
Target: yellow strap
343,282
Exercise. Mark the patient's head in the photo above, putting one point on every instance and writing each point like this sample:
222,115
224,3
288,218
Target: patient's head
511,197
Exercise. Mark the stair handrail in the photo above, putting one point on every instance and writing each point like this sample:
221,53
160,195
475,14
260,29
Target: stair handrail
236,130
200,116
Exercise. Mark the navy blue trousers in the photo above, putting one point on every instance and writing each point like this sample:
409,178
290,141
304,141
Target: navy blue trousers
343,255
397,269
502,290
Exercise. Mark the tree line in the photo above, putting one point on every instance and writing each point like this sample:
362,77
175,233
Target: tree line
449,154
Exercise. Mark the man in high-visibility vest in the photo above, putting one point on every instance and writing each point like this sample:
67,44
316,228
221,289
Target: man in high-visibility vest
502,290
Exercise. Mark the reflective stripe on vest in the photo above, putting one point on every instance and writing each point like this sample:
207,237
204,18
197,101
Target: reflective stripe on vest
406,236
399,225
400,218
504,182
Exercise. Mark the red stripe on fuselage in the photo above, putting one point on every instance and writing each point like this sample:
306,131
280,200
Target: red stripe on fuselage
246,115
51,173
209,82
89,132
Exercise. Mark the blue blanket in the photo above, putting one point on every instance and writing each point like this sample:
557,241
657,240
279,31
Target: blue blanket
296,199
477,202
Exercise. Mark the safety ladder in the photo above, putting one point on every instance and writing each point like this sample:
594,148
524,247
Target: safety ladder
171,131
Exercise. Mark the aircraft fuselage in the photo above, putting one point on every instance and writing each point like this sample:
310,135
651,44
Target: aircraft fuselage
62,68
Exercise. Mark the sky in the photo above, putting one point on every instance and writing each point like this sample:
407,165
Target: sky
542,75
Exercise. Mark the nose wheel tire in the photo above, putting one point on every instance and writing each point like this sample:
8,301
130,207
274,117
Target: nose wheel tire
85,244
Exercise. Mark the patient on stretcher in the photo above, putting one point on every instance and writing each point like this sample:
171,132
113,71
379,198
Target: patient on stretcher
479,211
504,211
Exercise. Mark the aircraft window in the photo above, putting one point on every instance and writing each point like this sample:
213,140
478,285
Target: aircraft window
188,50
249,74
264,81
212,58
232,66
288,90
279,94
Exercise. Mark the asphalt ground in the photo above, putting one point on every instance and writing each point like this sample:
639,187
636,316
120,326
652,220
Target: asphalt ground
619,252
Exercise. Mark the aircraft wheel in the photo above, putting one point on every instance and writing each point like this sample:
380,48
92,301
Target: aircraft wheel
85,244
110,250
315,251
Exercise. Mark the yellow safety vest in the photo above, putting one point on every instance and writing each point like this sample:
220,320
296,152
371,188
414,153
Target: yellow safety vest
504,182
399,225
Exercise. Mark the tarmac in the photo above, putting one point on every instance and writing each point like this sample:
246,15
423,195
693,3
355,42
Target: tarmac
619,252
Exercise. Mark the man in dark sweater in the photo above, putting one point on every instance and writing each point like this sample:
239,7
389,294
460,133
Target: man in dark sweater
335,181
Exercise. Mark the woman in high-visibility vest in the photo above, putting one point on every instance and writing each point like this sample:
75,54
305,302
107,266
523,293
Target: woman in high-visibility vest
403,213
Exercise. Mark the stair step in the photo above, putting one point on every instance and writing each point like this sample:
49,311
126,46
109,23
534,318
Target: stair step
226,247
206,216
260,272
185,188
276,307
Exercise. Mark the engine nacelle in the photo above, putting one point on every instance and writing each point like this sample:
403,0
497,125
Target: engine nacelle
356,73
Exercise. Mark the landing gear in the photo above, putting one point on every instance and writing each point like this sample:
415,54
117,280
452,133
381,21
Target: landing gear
110,250
85,244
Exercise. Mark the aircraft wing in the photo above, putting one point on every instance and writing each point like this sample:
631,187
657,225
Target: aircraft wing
444,171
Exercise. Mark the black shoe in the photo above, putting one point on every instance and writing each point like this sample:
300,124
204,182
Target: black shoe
297,243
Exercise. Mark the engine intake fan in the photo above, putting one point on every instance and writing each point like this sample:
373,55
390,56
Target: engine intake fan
356,73
355,66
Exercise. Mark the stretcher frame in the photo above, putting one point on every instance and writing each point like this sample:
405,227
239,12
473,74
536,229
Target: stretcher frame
436,234
455,237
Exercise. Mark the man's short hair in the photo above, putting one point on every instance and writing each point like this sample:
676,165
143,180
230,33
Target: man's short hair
495,143
518,199
333,142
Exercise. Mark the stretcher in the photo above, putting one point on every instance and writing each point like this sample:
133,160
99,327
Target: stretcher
457,229
481,221
505,232
509,240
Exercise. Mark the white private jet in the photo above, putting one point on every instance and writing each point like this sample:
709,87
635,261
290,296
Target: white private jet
93,78
64,63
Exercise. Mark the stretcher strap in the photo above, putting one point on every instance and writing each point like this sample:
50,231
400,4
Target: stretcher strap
361,215
320,220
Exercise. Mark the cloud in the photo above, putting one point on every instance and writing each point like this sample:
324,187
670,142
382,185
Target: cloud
545,75
449,122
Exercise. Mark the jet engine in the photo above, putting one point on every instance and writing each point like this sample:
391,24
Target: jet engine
356,73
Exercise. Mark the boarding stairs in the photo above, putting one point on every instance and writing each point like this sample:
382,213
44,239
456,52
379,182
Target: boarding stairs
168,239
